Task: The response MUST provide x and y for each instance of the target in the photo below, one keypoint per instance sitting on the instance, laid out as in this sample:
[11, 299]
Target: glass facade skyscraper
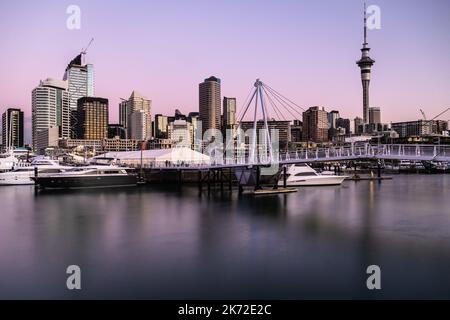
[93, 118]
[12, 128]
[80, 80]
[81, 83]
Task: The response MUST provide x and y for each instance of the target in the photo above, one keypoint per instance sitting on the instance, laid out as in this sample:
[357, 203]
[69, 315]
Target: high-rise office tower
[138, 125]
[332, 117]
[365, 64]
[161, 123]
[209, 103]
[332, 127]
[193, 118]
[343, 123]
[116, 130]
[229, 113]
[81, 83]
[374, 115]
[315, 125]
[12, 128]
[80, 79]
[93, 118]
[123, 114]
[50, 108]
[138, 116]
[358, 124]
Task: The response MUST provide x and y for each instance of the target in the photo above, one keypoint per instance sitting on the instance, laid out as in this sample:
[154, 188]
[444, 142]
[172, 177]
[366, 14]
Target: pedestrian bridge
[438, 153]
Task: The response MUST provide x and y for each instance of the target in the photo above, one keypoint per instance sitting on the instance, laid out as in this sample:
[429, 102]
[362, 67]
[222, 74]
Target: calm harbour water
[166, 243]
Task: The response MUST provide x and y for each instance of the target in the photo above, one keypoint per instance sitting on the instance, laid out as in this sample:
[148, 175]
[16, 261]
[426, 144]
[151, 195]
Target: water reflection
[167, 242]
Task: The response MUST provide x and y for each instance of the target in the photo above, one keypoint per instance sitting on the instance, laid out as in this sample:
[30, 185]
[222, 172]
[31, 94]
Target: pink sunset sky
[305, 49]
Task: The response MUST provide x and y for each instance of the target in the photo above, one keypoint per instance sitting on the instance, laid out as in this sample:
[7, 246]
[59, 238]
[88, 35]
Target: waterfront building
[116, 131]
[315, 125]
[93, 118]
[419, 128]
[139, 125]
[46, 138]
[340, 135]
[209, 103]
[193, 118]
[179, 115]
[376, 127]
[365, 64]
[161, 123]
[114, 144]
[160, 144]
[374, 115]
[358, 125]
[123, 115]
[283, 128]
[332, 117]
[229, 113]
[50, 108]
[12, 128]
[138, 116]
[440, 127]
[180, 132]
[342, 123]
[297, 131]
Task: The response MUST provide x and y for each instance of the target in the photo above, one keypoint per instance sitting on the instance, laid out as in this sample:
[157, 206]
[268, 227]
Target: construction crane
[84, 51]
[440, 114]
[423, 114]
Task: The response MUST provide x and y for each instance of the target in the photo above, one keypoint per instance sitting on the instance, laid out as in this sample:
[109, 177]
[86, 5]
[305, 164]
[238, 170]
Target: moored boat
[23, 172]
[304, 175]
[8, 161]
[88, 177]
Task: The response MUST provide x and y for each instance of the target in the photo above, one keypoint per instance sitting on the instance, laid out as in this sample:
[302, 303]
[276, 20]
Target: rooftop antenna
[365, 26]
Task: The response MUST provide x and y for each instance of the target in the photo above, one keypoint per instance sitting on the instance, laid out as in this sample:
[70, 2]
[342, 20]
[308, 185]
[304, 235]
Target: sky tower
[365, 64]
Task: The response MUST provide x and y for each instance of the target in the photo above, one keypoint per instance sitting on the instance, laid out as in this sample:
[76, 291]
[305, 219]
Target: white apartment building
[50, 108]
[138, 121]
[180, 133]
[136, 106]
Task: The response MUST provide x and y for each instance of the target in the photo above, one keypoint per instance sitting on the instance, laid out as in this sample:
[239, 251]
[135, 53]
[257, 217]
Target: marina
[183, 165]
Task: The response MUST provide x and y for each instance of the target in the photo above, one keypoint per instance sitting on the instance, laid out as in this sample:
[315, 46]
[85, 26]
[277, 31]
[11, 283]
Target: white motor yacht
[8, 161]
[22, 173]
[304, 175]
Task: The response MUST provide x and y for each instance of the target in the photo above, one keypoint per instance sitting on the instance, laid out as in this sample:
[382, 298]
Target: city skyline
[308, 53]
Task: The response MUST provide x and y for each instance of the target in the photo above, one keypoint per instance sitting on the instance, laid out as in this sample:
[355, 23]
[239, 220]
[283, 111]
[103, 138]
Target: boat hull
[315, 181]
[9, 179]
[86, 182]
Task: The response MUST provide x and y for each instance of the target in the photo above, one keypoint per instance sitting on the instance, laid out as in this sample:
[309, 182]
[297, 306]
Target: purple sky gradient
[305, 49]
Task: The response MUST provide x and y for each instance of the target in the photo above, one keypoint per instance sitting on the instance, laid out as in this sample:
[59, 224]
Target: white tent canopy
[175, 156]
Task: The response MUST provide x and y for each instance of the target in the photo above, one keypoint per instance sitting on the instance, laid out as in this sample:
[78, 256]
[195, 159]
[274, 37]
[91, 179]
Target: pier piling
[257, 184]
